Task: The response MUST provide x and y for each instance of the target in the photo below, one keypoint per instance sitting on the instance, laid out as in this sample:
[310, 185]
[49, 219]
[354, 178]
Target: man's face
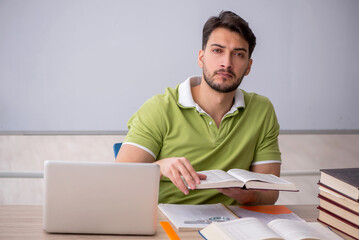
[225, 60]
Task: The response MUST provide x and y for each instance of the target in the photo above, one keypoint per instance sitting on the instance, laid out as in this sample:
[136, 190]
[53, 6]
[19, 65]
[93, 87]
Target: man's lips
[225, 74]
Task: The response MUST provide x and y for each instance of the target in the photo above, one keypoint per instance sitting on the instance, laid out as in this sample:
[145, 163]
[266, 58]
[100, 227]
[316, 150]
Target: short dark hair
[232, 22]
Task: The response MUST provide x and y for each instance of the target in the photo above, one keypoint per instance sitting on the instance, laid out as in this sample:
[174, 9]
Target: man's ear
[248, 70]
[200, 58]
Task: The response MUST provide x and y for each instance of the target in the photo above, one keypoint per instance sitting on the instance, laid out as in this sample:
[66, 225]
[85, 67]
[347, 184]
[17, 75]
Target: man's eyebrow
[241, 49]
[217, 45]
[221, 46]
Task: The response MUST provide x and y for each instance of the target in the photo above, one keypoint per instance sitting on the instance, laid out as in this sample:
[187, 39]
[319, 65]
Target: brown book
[338, 197]
[343, 180]
[338, 223]
[339, 209]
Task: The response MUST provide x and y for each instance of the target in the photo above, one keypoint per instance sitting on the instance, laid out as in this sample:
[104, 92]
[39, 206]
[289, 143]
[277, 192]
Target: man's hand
[250, 197]
[255, 197]
[174, 168]
[242, 196]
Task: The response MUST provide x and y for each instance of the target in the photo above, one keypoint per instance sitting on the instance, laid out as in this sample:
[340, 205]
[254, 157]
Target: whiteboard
[88, 65]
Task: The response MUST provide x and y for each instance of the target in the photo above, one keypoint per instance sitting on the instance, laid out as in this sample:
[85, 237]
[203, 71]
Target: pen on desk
[172, 235]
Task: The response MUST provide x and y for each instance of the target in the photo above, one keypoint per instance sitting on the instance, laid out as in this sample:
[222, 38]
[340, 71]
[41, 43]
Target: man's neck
[215, 103]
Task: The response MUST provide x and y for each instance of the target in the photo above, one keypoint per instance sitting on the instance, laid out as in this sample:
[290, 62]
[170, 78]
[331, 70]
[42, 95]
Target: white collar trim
[186, 100]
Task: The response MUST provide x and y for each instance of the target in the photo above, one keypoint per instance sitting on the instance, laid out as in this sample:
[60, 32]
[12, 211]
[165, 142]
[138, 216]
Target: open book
[244, 179]
[185, 217]
[252, 228]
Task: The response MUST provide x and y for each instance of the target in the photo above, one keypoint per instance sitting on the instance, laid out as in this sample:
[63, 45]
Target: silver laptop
[100, 198]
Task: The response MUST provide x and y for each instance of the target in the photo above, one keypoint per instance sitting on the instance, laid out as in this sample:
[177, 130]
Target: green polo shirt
[173, 125]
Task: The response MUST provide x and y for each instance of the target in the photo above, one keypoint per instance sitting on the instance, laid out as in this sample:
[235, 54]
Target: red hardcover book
[338, 223]
[338, 197]
[339, 210]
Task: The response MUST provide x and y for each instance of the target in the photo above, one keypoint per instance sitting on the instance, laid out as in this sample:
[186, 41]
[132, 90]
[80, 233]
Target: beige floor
[300, 153]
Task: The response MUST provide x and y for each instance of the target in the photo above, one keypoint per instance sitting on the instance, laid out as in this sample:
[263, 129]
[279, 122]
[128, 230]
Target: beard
[222, 87]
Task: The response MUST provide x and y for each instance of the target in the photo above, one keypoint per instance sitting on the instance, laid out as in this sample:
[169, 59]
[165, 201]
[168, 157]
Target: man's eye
[217, 50]
[239, 54]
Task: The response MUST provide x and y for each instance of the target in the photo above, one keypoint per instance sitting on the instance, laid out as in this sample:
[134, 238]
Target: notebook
[100, 198]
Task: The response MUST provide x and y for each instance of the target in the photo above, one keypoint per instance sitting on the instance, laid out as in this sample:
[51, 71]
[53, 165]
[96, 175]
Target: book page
[325, 231]
[247, 229]
[215, 176]
[213, 232]
[246, 176]
[179, 213]
[331, 192]
[293, 230]
[263, 217]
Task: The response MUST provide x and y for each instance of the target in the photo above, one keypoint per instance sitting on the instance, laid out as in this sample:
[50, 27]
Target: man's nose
[226, 61]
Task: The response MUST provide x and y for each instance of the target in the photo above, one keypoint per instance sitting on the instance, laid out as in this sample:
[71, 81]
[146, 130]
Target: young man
[207, 122]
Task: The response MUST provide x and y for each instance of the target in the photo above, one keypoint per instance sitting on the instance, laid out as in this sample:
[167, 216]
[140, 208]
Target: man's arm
[130, 153]
[255, 197]
[173, 168]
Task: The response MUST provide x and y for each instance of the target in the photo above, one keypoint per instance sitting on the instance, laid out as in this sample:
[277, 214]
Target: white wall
[87, 65]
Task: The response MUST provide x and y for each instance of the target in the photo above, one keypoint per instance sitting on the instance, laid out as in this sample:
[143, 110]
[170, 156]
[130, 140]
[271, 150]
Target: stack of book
[339, 200]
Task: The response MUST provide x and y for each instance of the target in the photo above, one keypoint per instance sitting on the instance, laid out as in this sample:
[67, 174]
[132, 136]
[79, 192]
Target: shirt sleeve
[267, 150]
[146, 127]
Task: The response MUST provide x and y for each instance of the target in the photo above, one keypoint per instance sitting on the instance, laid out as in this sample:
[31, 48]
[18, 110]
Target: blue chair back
[116, 148]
